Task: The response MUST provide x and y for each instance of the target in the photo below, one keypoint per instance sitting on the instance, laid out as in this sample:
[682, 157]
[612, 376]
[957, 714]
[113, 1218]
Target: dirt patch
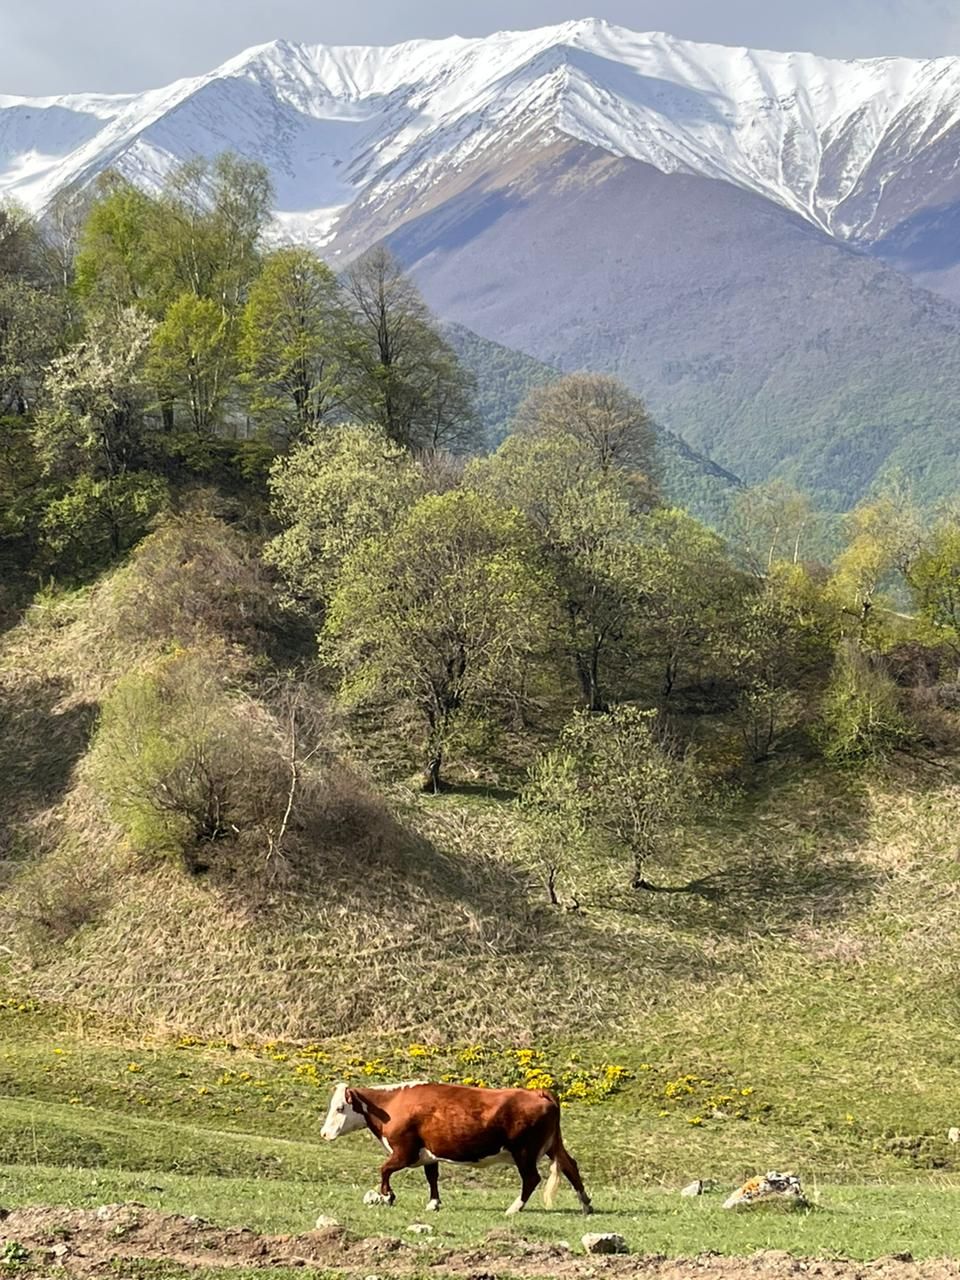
[84, 1242]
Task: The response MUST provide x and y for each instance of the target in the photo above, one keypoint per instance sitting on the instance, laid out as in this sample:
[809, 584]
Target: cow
[421, 1125]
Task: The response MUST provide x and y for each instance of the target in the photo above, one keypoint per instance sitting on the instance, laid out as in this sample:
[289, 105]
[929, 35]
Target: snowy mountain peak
[843, 144]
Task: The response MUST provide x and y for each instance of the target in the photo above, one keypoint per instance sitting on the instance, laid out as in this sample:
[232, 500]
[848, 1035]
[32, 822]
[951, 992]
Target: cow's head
[344, 1115]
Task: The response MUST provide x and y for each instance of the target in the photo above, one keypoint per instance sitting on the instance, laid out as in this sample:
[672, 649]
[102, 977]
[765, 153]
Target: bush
[185, 764]
[860, 716]
[95, 522]
[195, 578]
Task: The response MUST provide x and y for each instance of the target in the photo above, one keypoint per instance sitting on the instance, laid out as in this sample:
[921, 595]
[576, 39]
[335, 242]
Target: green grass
[849, 1221]
[79, 1128]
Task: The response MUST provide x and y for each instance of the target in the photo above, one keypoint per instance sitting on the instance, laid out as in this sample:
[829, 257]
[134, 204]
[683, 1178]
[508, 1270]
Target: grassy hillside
[796, 965]
[505, 377]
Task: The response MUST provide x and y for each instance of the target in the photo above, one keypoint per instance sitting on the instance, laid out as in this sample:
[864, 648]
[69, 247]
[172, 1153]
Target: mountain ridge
[853, 146]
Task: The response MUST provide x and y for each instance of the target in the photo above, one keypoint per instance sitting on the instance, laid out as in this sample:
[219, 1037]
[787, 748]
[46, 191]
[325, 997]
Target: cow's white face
[342, 1116]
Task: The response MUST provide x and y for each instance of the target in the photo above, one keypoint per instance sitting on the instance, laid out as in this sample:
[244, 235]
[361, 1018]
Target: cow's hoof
[374, 1197]
[433, 1206]
[588, 1208]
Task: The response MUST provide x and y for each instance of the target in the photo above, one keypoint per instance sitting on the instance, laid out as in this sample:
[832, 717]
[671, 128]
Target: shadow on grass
[786, 857]
[480, 791]
[41, 740]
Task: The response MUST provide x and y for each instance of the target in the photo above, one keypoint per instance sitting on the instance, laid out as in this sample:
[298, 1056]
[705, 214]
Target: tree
[94, 398]
[96, 519]
[589, 535]
[883, 534]
[191, 359]
[610, 421]
[337, 489]
[116, 260]
[554, 819]
[210, 217]
[621, 780]
[933, 575]
[291, 328]
[32, 323]
[399, 371]
[690, 590]
[770, 522]
[21, 248]
[445, 613]
[778, 648]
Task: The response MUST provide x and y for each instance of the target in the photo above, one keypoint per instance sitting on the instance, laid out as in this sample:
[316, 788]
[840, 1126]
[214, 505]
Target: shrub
[860, 716]
[185, 764]
[194, 578]
[617, 777]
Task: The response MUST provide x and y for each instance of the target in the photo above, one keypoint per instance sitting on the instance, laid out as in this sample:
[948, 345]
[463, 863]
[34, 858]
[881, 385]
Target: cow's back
[455, 1122]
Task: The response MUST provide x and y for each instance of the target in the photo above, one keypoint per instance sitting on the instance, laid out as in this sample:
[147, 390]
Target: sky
[114, 46]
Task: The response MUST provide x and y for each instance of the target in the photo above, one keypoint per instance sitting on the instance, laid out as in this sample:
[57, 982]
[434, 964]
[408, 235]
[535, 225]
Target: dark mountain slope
[757, 338]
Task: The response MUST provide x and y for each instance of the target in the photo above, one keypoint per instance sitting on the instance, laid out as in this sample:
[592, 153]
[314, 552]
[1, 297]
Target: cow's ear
[348, 1097]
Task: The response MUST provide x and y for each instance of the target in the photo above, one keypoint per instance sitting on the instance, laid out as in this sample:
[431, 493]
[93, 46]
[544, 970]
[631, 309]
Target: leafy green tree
[32, 324]
[883, 534]
[933, 575]
[398, 370]
[291, 333]
[95, 396]
[445, 614]
[615, 776]
[210, 218]
[191, 359]
[21, 246]
[588, 531]
[690, 592]
[337, 489]
[778, 647]
[116, 262]
[97, 519]
[610, 422]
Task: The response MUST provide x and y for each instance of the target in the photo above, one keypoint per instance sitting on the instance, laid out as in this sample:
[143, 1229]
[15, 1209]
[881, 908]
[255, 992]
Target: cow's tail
[554, 1151]
[552, 1183]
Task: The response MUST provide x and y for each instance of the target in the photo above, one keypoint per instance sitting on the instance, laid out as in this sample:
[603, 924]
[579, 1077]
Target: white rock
[374, 1197]
[768, 1188]
[603, 1242]
[953, 1135]
[420, 1228]
[694, 1188]
[324, 1222]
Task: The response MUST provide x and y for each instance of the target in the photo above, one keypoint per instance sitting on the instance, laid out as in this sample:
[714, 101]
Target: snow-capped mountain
[854, 147]
[740, 235]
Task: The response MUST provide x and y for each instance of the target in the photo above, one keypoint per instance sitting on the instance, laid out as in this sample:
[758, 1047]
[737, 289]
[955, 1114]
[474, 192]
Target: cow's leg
[569, 1169]
[432, 1172]
[526, 1163]
[401, 1157]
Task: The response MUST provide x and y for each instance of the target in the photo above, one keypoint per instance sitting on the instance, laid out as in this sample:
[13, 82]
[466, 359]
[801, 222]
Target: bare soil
[88, 1242]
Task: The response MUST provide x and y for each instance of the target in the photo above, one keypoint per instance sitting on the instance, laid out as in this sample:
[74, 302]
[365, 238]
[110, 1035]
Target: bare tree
[400, 372]
[600, 412]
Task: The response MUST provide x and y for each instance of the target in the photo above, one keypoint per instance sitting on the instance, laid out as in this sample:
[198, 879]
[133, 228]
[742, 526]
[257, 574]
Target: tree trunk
[589, 676]
[432, 782]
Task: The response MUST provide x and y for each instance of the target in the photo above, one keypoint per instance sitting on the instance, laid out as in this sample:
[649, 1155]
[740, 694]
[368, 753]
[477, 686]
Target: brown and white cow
[421, 1125]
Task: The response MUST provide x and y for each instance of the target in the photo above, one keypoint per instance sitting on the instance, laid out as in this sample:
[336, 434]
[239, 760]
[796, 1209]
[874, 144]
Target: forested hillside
[290, 666]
